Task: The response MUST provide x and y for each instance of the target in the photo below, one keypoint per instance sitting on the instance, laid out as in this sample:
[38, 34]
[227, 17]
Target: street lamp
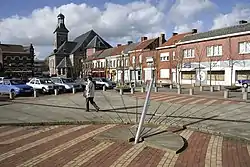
[150, 61]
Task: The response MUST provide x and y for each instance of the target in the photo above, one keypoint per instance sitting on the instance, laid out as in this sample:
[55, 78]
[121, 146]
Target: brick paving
[184, 99]
[74, 145]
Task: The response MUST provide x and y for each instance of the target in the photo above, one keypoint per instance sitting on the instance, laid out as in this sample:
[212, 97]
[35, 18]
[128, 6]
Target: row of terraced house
[216, 57]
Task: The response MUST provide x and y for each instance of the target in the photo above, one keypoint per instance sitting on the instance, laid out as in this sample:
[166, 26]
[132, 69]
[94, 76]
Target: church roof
[90, 39]
[65, 62]
[66, 47]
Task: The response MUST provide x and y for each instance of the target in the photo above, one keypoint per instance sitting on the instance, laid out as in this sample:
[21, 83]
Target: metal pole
[144, 112]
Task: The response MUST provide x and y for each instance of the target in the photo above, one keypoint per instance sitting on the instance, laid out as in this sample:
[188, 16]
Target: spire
[60, 24]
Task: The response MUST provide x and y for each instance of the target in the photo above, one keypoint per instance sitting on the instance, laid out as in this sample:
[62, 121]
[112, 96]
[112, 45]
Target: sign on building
[201, 76]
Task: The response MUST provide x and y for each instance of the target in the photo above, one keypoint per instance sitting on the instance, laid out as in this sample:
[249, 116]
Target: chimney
[119, 45]
[242, 22]
[162, 39]
[130, 42]
[143, 39]
[194, 31]
[175, 33]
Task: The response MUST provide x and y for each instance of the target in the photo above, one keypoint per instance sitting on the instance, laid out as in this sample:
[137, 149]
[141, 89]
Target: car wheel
[44, 90]
[245, 85]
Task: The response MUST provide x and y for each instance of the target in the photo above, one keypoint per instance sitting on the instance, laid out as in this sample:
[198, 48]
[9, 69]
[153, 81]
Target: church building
[67, 57]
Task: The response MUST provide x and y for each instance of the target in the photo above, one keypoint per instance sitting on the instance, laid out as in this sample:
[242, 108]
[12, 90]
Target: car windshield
[104, 80]
[46, 81]
[67, 80]
[17, 82]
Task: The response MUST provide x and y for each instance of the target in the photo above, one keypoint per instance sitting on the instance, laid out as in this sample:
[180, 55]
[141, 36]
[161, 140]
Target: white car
[68, 83]
[46, 85]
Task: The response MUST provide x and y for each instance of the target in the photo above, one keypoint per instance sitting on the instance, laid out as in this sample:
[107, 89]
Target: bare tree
[178, 63]
[233, 57]
[200, 54]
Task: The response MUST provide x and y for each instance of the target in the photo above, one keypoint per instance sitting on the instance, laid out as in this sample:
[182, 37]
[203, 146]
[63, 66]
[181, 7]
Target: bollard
[219, 87]
[193, 85]
[245, 95]
[142, 89]
[201, 88]
[104, 88]
[12, 95]
[171, 86]
[121, 91]
[191, 91]
[132, 90]
[248, 89]
[179, 90]
[74, 90]
[56, 92]
[35, 93]
[226, 94]
[211, 89]
[156, 89]
[243, 89]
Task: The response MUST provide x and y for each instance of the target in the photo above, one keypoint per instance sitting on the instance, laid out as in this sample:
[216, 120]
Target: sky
[117, 21]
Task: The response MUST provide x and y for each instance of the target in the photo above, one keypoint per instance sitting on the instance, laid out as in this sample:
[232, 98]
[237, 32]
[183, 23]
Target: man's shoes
[97, 109]
[87, 110]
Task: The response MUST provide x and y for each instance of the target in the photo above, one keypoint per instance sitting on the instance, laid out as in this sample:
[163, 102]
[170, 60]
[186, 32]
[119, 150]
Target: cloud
[239, 12]
[183, 11]
[115, 22]
[187, 27]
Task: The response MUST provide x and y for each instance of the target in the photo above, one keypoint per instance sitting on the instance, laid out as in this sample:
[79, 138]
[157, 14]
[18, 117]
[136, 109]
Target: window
[113, 63]
[216, 75]
[243, 75]
[164, 73]
[215, 50]
[118, 63]
[188, 75]
[140, 59]
[173, 55]
[244, 47]
[164, 56]
[126, 62]
[133, 59]
[188, 53]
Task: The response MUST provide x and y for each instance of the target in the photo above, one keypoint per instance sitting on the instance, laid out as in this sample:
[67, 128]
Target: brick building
[16, 60]
[216, 57]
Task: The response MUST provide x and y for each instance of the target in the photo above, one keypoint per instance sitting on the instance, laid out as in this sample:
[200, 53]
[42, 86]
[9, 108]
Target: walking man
[90, 93]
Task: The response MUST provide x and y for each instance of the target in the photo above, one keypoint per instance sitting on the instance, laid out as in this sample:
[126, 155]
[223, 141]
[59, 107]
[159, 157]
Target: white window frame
[173, 55]
[188, 53]
[140, 59]
[214, 50]
[165, 56]
[133, 59]
[244, 47]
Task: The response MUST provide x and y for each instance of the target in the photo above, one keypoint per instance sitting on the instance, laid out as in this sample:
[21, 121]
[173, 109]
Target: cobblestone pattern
[64, 146]
[76, 148]
[183, 99]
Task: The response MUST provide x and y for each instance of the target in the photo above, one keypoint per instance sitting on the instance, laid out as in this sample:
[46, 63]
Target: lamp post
[145, 107]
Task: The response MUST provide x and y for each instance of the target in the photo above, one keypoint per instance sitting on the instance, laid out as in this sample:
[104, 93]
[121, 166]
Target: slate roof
[218, 32]
[61, 28]
[65, 62]
[88, 37]
[66, 47]
[11, 48]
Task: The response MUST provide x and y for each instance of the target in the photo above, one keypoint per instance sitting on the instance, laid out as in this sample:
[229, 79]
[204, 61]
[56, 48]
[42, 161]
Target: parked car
[68, 83]
[16, 86]
[46, 85]
[2, 78]
[244, 83]
[83, 81]
[105, 82]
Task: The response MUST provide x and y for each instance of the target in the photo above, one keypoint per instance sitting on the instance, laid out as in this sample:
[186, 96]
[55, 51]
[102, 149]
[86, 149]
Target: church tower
[61, 32]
